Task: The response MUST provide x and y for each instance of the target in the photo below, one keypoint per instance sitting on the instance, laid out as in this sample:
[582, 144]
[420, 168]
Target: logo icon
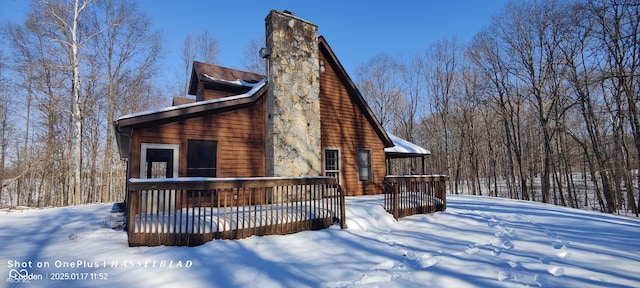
[22, 276]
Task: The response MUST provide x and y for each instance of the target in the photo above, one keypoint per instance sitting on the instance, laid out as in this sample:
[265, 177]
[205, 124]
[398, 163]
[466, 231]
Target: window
[201, 158]
[158, 160]
[364, 165]
[332, 163]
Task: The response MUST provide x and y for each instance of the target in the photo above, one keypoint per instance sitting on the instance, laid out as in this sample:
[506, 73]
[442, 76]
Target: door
[158, 161]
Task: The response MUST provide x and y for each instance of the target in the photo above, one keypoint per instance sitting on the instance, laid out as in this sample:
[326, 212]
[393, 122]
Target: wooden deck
[192, 211]
[415, 194]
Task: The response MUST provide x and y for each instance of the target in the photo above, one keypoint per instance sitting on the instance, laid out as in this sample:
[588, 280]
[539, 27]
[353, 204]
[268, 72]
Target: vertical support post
[343, 212]
[443, 191]
[396, 202]
[130, 219]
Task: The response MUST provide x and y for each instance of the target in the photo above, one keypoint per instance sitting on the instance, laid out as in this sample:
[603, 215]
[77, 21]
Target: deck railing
[192, 211]
[415, 194]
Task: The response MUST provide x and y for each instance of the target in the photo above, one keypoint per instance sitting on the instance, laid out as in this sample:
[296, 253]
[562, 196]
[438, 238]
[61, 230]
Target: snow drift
[477, 242]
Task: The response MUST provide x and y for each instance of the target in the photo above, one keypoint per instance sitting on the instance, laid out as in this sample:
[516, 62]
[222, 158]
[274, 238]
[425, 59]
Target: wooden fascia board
[193, 82]
[364, 107]
[189, 111]
[396, 155]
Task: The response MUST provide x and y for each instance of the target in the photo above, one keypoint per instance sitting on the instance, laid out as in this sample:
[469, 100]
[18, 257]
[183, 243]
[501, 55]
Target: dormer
[209, 82]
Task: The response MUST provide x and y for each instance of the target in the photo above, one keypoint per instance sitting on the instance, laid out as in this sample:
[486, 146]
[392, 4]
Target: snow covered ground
[477, 242]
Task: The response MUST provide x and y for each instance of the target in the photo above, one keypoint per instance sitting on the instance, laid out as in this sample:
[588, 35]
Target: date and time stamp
[24, 276]
[80, 270]
[38, 271]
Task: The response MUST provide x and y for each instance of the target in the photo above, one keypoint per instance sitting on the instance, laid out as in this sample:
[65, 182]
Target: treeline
[67, 72]
[542, 105]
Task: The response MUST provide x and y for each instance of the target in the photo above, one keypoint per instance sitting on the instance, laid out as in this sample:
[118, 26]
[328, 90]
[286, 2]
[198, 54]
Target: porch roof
[403, 148]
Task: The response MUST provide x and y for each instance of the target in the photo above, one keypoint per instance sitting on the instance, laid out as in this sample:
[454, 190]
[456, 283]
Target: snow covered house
[304, 119]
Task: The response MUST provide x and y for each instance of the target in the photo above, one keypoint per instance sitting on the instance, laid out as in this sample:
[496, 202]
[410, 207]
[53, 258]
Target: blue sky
[356, 30]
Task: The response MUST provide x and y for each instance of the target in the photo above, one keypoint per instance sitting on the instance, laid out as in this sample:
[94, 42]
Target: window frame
[368, 165]
[143, 157]
[324, 162]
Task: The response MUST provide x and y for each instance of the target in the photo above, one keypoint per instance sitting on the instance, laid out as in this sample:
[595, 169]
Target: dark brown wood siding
[344, 126]
[239, 133]
[209, 94]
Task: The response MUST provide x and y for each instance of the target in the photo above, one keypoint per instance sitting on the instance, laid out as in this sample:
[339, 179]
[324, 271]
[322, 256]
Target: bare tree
[36, 58]
[112, 38]
[532, 37]
[488, 53]
[617, 32]
[252, 61]
[442, 61]
[550, 91]
[379, 82]
[207, 47]
[5, 125]
[16, 36]
[414, 92]
[127, 44]
[188, 56]
[468, 106]
[62, 24]
[202, 47]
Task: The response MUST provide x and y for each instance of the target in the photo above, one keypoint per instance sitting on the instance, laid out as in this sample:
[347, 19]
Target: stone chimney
[292, 102]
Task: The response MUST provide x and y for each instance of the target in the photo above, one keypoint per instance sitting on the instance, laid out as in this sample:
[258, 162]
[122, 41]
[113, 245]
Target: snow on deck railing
[406, 195]
[191, 211]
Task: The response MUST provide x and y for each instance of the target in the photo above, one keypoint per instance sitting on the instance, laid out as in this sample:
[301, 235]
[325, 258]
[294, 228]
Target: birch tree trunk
[78, 116]
[65, 20]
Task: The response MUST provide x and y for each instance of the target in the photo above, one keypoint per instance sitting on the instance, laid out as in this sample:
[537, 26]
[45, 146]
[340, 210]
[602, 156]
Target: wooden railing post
[131, 204]
[343, 209]
[443, 191]
[396, 201]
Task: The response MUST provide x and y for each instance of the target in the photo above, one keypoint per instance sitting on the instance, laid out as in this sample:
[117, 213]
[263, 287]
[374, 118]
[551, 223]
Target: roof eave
[123, 140]
[394, 155]
[190, 110]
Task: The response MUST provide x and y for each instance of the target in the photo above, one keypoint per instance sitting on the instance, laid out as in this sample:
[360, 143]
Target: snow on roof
[256, 86]
[237, 82]
[402, 146]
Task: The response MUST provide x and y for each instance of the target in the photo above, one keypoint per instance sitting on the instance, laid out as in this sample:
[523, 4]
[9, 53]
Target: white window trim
[324, 168]
[370, 166]
[143, 156]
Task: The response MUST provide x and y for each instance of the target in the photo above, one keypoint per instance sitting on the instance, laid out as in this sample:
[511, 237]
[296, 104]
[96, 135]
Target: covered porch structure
[409, 189]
